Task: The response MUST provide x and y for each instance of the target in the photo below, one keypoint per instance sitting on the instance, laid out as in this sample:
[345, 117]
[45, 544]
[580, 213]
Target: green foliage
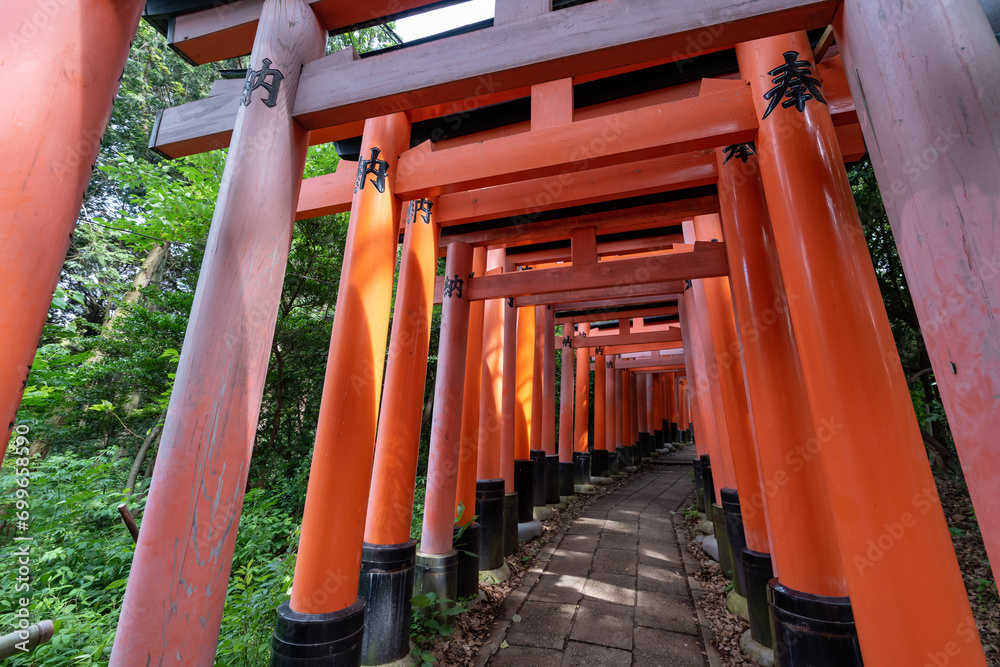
[72, 505]
[431, 620]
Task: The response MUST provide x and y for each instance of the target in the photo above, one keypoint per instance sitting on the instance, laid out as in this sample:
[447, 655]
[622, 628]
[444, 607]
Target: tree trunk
[150, 273]
[154, 433]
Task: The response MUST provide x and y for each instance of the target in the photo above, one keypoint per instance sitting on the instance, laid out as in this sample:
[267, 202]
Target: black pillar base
[645, 445]
[737, 538]
[386, 586]
[722, 537]
[614, 463]
[566, 471]
[538, 456]
[524, 485]
[625, 457]
[552, 479]
[812, 630]
[581, 473]
[467, 546]
[758, 570]
[658, 440]
[438, 574]
[489, 509]
[334, 639]
[599, 463]
[510, 509]
[708, 483]
[699, 487]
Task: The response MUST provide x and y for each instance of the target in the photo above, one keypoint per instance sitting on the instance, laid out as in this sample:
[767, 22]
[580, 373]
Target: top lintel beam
[574, 41]
[228, 30]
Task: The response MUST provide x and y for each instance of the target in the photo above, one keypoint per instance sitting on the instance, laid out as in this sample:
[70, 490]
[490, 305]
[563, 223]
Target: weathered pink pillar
[61, 67]
[566, 389]
[177, 585]
[548, 332]
[446, 427]
[926, 84]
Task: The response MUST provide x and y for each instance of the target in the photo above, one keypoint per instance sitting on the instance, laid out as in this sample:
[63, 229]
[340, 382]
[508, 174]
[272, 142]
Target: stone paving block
[666, 649]
[666, 612]
[614, 561]
[589, 655]
[576, 563]
[524, 656]
[662, 580]
[659, 554]
[542, 624]
[560, 588]
[594, 514]
[586, 526]
[584, 543]
[619, 540]
[629, 527]
[614, 588]
[604, 624]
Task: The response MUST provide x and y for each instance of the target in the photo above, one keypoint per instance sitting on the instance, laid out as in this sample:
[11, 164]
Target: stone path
[611, 590]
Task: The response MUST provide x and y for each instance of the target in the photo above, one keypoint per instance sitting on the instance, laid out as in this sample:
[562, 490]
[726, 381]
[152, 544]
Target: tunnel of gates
[666, 182]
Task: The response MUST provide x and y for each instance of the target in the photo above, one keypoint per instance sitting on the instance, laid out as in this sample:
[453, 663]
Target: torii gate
[591, 174]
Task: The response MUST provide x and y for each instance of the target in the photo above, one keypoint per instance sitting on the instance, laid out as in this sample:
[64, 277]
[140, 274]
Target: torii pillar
[927, 88]
[599, 457]
[490, 483]
[387, 558]
[56, 58]
[325, 612]
[890, 526]
[467, 542]
[581, 451]
[566, 389]
[437, 559]
[177, 585]
[803, 537]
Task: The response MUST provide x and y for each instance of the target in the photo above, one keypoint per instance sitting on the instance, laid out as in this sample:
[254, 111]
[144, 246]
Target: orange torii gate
[688, 191]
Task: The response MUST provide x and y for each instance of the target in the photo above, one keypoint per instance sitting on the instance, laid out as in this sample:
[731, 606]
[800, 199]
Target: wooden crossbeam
[684, 126]
[227, 31]
[656, 337]
[706, 261]
[626, 247]
[623, 295]
[591, 37]
[635, 218]
[644, 347]
[527, 199]
[340, 89]
[602, 315]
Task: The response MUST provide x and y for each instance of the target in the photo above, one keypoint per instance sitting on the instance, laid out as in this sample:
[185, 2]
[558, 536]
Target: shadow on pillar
[599, 463]
[467, 545]
[581, 471]
[511, 508]
[708, 483]
[758, 571]
[737, 543]
[538, 477]
[552, 486]
[490, 513]
[566, 475]
[699, 487]
[524, 486]
[386, 586]
[333, 639]
[722, 537]
[812, 630]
